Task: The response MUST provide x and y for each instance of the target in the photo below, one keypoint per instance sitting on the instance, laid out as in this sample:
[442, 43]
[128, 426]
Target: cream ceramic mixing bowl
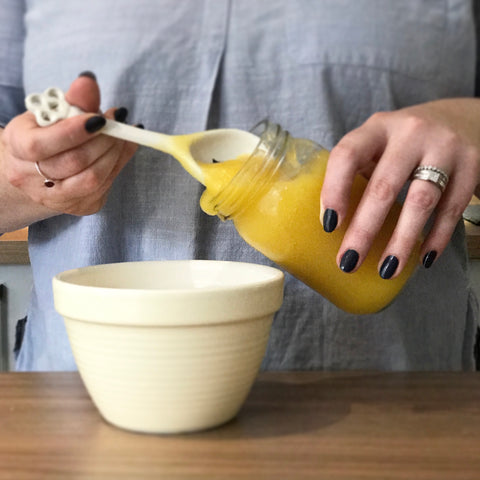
[170, 346]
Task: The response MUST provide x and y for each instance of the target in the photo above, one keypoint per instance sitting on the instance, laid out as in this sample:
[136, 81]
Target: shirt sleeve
[12, 34]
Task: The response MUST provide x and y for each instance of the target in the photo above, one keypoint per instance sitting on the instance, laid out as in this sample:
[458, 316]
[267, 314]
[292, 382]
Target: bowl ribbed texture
[168, 347]
[201, 375]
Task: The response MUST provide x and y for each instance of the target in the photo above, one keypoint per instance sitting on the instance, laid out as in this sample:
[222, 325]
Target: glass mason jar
[274, 203]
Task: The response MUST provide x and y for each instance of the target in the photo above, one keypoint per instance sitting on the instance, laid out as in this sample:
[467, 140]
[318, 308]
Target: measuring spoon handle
[50, 106]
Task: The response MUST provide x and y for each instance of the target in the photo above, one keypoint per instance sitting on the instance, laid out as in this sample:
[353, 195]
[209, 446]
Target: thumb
[84, 93]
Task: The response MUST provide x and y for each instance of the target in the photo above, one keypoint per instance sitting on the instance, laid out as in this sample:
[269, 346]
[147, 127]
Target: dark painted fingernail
[330, 220]
[388, 267]
[120, 114]
[89, 74]
[429, 258]
[140, 125]
[93, 124]
[349, 261]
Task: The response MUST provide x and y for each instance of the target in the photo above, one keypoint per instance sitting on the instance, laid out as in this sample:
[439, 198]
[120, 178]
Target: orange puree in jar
[275, 207]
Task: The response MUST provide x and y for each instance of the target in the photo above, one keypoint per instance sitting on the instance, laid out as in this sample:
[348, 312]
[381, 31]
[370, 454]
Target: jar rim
[271, 148]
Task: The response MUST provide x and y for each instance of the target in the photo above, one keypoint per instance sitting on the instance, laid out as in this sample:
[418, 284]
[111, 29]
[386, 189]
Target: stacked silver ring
[431, 174]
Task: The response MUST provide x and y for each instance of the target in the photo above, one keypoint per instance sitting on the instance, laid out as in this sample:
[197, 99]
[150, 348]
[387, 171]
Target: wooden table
[293, 426]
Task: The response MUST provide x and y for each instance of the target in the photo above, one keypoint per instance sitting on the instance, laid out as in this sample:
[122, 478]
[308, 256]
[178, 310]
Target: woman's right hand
[81, 162]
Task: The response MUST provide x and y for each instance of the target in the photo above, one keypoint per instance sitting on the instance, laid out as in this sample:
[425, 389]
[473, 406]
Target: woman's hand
[81, 162]
[386, 149]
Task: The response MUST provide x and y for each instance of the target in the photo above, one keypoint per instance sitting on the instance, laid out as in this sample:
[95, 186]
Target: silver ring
[431, 174]
[46, 181]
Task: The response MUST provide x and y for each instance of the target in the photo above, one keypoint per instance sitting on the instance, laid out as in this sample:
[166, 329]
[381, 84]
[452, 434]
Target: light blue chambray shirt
[318, 68]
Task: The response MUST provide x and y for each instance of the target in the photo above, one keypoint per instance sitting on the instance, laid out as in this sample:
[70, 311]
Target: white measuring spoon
[220, 144]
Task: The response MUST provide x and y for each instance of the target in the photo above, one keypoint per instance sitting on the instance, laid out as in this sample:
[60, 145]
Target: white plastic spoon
[219, 144]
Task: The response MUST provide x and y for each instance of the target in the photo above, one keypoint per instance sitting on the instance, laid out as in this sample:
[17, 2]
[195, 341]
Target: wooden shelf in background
[14, 248]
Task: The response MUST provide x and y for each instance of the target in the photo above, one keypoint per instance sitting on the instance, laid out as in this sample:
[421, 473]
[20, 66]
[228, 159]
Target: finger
[63, 164]
[72, 162]
[95, 177]
[88, 204]
[84, 93]
[392, 172]
[100, 175]
[33, 143]
[352, 155]
[69, 194]
[450, 208]
[81, 194]
[420, 202]
[127, 153]
[127, 149]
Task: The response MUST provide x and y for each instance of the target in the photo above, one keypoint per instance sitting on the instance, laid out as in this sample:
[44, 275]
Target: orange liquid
[284, 224]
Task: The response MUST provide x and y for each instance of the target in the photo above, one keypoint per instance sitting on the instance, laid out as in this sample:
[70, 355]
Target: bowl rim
[94, 303]
[274, 272]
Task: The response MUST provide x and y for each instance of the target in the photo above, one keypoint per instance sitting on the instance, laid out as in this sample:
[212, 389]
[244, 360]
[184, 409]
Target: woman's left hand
[386, 149]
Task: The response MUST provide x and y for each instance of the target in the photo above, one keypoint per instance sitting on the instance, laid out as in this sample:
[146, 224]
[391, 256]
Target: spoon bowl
[222, 144]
